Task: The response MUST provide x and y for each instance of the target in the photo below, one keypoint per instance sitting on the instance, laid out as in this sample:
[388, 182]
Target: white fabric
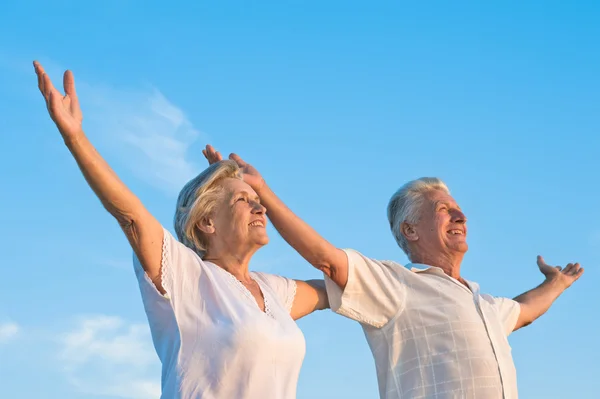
[213, 340]
[431, 336]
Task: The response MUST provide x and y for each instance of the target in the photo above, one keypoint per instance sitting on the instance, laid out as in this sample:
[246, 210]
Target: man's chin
[463, 247]
[460, 247]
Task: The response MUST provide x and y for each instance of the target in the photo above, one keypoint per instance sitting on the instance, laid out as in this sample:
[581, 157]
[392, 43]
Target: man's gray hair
[197, 200]
[405, 204]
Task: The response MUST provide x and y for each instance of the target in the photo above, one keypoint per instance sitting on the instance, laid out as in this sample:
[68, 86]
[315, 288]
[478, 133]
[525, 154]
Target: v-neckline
[234, 281]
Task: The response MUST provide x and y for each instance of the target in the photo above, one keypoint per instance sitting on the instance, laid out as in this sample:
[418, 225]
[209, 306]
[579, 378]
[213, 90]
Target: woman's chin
[261, 240]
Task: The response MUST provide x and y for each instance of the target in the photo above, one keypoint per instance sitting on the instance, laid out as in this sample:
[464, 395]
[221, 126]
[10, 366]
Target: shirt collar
[422, 268]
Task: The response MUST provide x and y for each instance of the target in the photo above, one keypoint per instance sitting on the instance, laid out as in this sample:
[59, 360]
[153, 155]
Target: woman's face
[239, 220]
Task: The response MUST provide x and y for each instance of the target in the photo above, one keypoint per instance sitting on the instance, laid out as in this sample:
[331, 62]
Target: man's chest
[445, 310]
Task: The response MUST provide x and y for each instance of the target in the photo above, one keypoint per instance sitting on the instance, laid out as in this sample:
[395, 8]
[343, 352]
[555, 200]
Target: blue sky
[337, 103]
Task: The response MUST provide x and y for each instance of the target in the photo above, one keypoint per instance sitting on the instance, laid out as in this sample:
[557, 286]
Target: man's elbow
[332, 262]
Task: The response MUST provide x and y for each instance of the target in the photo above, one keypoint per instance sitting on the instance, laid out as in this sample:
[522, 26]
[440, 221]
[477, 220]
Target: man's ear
[206, 225]
[409, 232]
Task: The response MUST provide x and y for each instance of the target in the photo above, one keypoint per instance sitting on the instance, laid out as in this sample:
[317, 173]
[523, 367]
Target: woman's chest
[232, 316]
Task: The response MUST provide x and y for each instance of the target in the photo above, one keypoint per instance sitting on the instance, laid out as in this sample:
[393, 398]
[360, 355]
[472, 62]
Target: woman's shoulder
[274, 281]
[269, 278]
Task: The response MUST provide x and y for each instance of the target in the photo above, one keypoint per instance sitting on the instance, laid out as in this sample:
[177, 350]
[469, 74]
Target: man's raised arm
[537, 301]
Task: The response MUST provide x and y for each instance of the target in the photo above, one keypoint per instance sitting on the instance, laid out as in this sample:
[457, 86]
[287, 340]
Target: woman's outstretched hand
[249, 172]
[64, 110]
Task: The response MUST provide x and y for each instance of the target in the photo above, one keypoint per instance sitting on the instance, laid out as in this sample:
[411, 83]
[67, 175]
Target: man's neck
[450, 264]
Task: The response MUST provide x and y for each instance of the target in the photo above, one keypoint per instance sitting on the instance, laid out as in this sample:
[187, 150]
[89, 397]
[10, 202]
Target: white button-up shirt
[431, 336]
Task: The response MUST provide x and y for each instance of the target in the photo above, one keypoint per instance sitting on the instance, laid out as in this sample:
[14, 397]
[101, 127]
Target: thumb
[69, 84]
[540, 262]
[543, 265]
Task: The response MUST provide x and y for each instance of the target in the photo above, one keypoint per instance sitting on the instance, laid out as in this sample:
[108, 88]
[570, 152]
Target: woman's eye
[241, 199]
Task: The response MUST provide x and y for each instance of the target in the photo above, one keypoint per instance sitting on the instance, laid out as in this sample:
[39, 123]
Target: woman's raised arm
[144, 232]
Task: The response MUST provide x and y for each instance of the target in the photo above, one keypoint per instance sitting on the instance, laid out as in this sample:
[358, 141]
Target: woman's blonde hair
[198, 199]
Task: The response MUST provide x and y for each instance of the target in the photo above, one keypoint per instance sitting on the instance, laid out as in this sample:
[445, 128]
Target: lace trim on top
[247, 292]
[166, 276]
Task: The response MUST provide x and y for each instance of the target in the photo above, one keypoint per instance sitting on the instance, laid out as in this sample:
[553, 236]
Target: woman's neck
[235, 264]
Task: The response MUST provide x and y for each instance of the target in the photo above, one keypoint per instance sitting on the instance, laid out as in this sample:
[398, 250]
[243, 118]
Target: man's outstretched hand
[249, 172]
[566, 276]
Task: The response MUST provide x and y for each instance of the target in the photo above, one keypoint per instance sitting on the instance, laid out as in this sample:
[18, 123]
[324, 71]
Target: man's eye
[241, 199]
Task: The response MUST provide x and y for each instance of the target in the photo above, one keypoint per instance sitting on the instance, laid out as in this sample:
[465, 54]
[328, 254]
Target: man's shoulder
[391, 264]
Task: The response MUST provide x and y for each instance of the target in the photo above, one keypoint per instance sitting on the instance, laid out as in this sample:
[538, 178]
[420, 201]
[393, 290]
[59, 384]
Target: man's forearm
[537, 301]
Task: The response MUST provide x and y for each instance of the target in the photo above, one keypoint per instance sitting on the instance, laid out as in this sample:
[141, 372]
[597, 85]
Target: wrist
[70, 138]
[556, 282]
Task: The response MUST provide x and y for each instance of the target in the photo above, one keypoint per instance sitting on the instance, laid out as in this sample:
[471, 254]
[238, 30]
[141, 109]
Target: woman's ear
[206, 225]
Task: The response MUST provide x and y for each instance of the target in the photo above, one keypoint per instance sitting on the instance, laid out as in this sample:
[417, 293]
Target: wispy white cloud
[8, 331]
[144, 130]
[105, 355]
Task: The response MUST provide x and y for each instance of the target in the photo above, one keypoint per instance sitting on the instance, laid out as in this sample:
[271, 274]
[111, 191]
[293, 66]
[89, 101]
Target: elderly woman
[219, 330]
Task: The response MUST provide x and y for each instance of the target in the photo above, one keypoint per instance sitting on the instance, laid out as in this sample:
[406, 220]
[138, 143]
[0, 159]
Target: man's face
[442, 227]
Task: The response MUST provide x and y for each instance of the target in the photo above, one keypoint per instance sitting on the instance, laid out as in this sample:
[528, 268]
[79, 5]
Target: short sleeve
[284, 288]
[507, 310]
[180, 271]
[374, 294]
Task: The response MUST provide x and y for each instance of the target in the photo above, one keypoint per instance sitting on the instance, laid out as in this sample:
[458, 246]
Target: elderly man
[432, 333]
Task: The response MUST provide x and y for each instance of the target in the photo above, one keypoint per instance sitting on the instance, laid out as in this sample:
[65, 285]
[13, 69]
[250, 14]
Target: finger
[558, 268]
[53, 99]
[48, 86]
[237, 159]
[578, 274]
[214, 155]
[39, 72]
[576, 268]
[39, 69]
[204, 153]
[210, 150]
[568, 269]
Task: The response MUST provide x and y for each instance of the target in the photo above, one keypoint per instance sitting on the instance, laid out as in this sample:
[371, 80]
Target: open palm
[249, 172]
[566, 276]
[64, 110]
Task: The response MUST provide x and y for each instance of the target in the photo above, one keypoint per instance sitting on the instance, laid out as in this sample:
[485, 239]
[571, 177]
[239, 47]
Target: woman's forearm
[304, 239]
[116, 197]
[143, 231]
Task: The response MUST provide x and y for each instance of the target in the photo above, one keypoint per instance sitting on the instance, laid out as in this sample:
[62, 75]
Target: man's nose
[458, 216]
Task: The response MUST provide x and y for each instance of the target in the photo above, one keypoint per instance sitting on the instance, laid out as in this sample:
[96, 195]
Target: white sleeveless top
[212, 339]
